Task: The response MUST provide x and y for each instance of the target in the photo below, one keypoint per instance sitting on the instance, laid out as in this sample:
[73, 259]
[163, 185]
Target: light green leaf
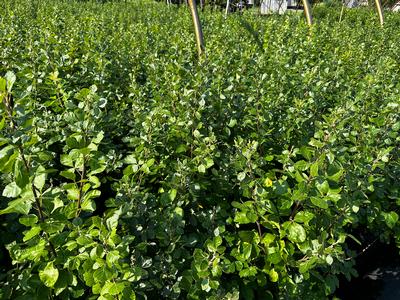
[323, 187]
[209, 162]
[247, 247]
[320, 202]
[40, 178]
[304, 217]
[21, 206]
[172, 194]
[49, 275]
[273, 275]
[12, 190]
[112, 258]
[34, 231]
[329, 259]
[205, 285]
[314, 169]
[21, 175]
[241, 176]
[102, 275]
[181, 148]
[112, 222]
[28, 220]
[201, 169]
[10, 78]
[88, 205]
[69, 174]
[67, 160]
[391, 218]
[296, 233]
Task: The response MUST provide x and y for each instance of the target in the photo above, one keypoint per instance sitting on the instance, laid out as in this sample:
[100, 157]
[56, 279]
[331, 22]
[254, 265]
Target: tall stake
[380, 11]
[227, 8]
[307, 11]
[197, 27]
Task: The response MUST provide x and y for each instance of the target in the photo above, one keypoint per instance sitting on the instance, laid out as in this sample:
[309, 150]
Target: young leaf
[296, 233]
[49, 275]
[12, 190]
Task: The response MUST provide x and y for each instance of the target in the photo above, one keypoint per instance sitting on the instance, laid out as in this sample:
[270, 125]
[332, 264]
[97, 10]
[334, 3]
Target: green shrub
[128, 169]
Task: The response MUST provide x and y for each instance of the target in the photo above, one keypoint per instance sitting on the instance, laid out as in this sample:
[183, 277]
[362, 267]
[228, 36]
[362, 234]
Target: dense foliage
[129, 169]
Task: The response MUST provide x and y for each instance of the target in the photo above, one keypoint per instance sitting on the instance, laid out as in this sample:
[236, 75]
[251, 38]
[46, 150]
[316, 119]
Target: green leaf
[69, 174]
[296, 233]
[304, 217]
[52, 226]
[12, 190]
[66, 160]
[181, 148]
[205, 285]
[329, 259]
[10, 78]
[320, 202]
[84, 240]
[49, 275]
[323, 187]
[34, 231]
[335, 177]
[391, 218]
[112, 222]
[21, 206]
[102, 274]
[273, 275]
[209, 162]
[112, 288]
[88, 205]
[245, 217]
[40, 178]
[3, 85]
[247, 247]
[112, 258]
[201, 169]
[28, 220]
[314, 169]
[21, 175]
[172, 194]
[33, 253]
[248, 272]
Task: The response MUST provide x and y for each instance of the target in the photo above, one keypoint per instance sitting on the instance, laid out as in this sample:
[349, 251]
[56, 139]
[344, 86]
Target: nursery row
[131, 170]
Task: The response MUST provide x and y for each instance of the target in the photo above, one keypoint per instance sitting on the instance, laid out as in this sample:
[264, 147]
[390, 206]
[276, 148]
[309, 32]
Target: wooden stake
[227, 8]
[380, 11]
[307, 11]
[197, 27]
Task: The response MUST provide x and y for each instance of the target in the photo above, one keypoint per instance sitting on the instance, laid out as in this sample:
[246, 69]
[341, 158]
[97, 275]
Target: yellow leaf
[267, 182]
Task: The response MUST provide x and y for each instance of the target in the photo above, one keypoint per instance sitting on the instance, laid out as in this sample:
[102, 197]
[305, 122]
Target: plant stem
[83, 175]
[8, 101]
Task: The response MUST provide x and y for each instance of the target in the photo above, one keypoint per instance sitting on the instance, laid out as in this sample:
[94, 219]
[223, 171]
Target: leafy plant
[129, 170]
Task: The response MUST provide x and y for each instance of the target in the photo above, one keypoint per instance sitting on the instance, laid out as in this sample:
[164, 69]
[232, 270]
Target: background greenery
[129, 169]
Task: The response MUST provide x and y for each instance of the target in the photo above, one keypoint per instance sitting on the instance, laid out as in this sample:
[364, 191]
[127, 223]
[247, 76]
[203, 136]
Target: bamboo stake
[307, 11]
[341, 13]
[227, 8]
[380, 11]
[197, 27]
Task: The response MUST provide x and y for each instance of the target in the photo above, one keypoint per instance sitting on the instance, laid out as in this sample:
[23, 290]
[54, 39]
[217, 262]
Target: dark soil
[379, 275]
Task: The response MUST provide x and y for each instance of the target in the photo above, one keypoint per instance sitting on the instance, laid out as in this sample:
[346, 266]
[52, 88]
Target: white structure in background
[292, 3]
[273, 6]
[355, 3]
[351, 3]
[396, 7]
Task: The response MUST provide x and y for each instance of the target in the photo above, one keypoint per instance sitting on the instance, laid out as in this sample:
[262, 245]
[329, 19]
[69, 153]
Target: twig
[9, 103]
[362, 251]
